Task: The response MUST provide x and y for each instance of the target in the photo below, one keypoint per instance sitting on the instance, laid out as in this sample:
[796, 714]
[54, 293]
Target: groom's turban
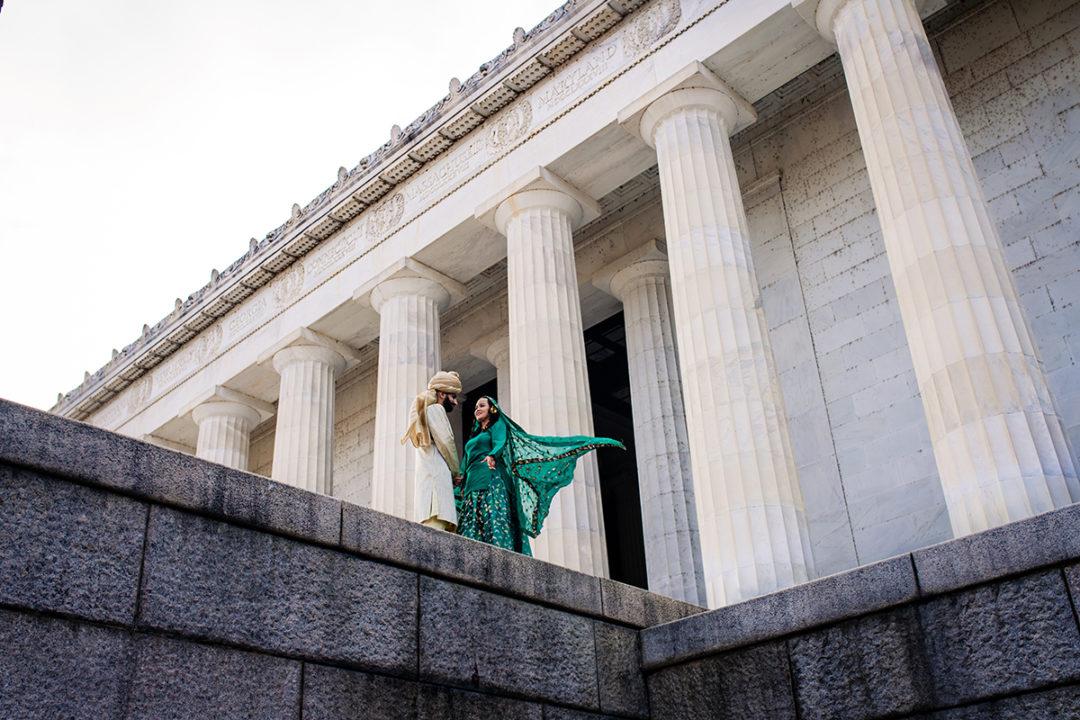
[418, 432]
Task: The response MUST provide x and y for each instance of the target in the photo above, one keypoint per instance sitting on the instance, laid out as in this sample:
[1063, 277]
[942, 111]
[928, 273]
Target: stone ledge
[410, 545]
[1047, 539]
[836, 597]
[93, 457]
[1024, 546]
[67, 448]
[639, 608]
[434, 552]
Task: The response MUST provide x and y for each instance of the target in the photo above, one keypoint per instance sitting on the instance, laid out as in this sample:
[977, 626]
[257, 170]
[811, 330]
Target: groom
[436, 454]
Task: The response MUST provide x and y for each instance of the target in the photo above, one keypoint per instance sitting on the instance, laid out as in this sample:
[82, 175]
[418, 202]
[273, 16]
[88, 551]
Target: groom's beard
[447, 405]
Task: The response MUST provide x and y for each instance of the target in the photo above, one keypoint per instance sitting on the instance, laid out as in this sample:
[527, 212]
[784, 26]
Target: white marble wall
[879, 432]
[827, 509]
[354, 436]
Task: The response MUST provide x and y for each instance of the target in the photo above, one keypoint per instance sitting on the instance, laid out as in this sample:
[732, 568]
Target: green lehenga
[507, 505]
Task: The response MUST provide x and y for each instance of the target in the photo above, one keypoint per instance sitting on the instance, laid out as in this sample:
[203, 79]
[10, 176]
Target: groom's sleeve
[443, 436]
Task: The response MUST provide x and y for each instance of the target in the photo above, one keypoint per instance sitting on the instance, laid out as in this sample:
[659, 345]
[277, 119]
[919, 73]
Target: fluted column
[750, 510]
[668, 513]
[225, 432]
[550, 390]
[1000, 445]
[304, 437]
[409, 354]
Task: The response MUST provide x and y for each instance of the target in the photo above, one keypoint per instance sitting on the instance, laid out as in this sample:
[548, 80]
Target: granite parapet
[872, 666]
[750, 683]
[54, 668]
[438, 553]
[219, 582]
[1040, 541]
[174, 678]
[618, 671]
[480, 640]
[1002, 638]
[69, 549]
[830, 599]
[92, 456]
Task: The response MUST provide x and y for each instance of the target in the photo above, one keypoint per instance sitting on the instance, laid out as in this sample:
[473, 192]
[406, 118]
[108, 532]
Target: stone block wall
[142, 583]
[980, 627]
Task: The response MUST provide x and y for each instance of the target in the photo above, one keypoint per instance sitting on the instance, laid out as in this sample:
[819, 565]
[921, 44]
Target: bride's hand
[490, 462]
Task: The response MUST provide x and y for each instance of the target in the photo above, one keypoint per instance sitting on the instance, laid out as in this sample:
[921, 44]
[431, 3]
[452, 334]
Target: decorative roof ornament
[455, 87]
[395, 134]
[296, 211]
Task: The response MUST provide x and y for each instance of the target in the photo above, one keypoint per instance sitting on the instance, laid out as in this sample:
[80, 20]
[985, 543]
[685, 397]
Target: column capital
[537, 188]
[820, 14]
[646, 260]
[220, 408]
[306, 343]
[410, 277]
[221, 395]
[493, 347]
[693, 86]
[314, 353]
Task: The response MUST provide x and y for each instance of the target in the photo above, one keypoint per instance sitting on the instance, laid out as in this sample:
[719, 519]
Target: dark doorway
[469, 406]
[609, 387]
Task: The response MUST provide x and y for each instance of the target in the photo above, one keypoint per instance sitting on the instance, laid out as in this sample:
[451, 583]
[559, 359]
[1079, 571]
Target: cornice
[532, 56]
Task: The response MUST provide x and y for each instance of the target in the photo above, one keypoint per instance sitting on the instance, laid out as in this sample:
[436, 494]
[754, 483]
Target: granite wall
[980, 627]
[136, 582]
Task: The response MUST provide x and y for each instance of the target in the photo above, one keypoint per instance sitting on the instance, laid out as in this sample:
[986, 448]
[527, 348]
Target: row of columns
[723, 514]
[1000, 445]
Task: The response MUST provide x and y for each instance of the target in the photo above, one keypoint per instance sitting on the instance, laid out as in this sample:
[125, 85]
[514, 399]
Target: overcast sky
[143, 142]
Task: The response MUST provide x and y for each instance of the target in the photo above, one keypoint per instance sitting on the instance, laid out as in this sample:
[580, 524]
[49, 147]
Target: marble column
[409, 302]
[668, 513]
[550, 390]
[751, 516]
[304, 436]
[1000, 445]
[225, 432]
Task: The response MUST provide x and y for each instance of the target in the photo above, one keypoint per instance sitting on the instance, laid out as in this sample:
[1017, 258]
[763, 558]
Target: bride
[510, 477]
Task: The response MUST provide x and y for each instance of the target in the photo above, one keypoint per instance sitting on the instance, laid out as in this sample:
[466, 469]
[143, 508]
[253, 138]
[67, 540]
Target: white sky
[143, 142]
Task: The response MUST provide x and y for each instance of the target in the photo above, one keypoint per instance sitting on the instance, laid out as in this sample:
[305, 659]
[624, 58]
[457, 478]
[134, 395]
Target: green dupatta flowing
[541, 466]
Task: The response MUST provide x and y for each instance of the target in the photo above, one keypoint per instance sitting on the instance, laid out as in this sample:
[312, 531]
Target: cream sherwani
[436, 465]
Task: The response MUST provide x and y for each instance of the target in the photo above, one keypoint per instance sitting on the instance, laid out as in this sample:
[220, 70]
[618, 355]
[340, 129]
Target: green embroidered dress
[507, 505]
